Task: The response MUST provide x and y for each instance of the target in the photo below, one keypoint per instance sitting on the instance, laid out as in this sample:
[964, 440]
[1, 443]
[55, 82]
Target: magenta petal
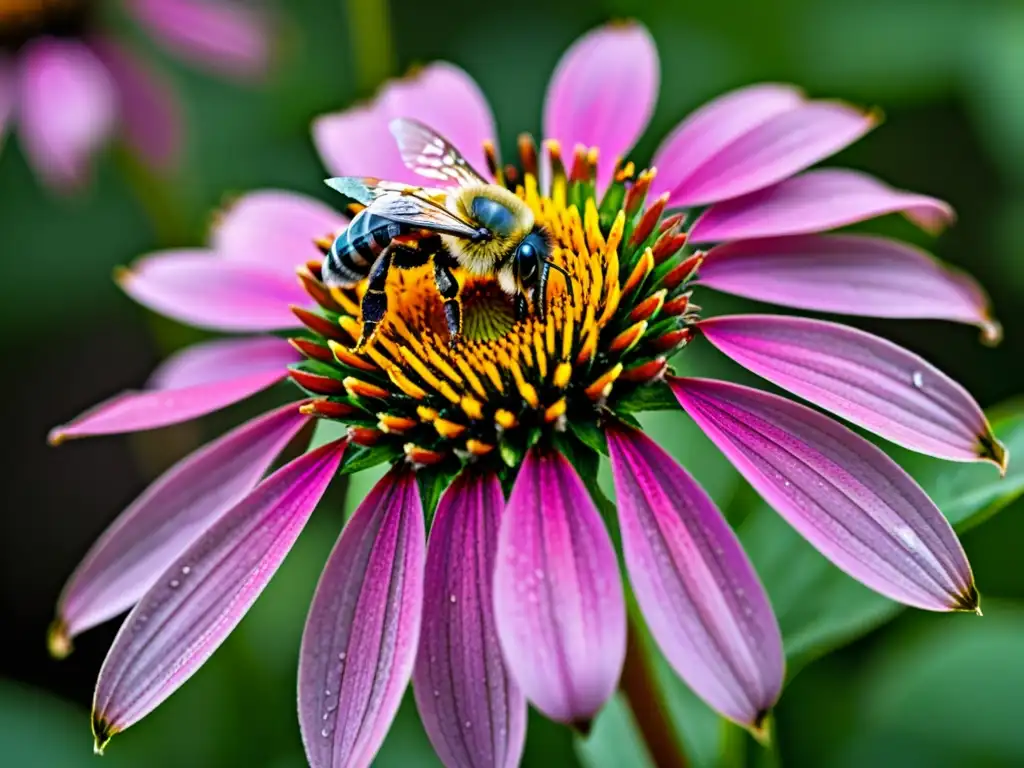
[714, 126]
[222, 359]
[228, 37]
[840, 492]
[181, 504]
[558, 598]
[696, 587]
[203, 595]
[357, 142]
[275, 228]
[603, 92]
[360, 640]
[870, 381]
[472, 710]
[67, 108]
[147, 106]
[847, 274]
[195, 287]
[771, 151]
[814, 202]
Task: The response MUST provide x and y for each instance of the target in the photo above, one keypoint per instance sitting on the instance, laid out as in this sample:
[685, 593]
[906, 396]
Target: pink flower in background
[70, 85]
[519, 599]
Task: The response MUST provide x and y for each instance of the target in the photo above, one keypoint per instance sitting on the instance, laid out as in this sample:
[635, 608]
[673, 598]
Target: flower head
[494, 443]
[70, 84]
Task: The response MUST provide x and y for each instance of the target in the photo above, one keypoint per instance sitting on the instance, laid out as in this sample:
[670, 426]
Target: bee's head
[529, 256]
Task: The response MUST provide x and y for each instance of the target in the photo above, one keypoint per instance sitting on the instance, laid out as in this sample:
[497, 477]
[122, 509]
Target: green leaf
[614, 740]
[360, 457]
[590, 435]
[651, 397]
[433, 481]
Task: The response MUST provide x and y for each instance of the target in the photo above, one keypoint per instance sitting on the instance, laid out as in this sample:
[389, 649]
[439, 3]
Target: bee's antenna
[568, 280]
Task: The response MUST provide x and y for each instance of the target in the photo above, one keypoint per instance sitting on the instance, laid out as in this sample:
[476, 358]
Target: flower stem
[373, 50]
[641, 690]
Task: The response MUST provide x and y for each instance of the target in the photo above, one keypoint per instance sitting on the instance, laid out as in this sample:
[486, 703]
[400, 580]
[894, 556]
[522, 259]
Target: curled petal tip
[58, 641]
[56, 436]
[991, 332]
[102, 732]
[583, 727]
[991, 449]
[969, 601]
[761, 728]
[122, 275]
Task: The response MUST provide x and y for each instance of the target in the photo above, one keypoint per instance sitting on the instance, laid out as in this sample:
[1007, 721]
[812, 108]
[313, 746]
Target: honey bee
[475, 224]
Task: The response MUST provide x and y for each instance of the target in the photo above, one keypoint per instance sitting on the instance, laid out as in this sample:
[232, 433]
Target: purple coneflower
[70, 84]
[517, 596]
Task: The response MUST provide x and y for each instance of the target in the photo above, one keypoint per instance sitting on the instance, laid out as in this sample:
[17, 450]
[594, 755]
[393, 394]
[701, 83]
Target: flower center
[21, 20]
[614, 311]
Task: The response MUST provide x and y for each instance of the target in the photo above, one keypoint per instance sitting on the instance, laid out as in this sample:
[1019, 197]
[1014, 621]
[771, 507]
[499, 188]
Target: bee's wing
[366, 189]
[431, 155]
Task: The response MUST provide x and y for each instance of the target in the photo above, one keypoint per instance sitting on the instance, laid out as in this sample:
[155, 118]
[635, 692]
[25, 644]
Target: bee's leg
[375, 301]
[522, 308]
[449, 288]
[540, 291]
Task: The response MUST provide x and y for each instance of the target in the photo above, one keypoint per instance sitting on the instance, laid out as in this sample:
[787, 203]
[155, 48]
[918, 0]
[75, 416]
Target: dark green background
[925, 690]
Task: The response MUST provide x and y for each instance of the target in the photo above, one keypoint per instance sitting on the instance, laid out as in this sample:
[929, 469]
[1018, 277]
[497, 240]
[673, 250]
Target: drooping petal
[195, 287]
[848, 274]
[67, 107]
[147, 106]
[559, 604]
[8, 95]
[603, 92]
[870, 381]
[360, 640]
[275, 228]
[357, 141]
[196, 603]
[696, 587]
[705, 132]
[221, 359]
[228, 37]
[775, 149]
[845, 496]
[169, 515]
[814, 202]
[472, 710]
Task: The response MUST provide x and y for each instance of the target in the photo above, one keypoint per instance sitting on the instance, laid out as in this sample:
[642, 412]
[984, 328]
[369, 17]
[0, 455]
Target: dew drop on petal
[185, 570]
[917, 378]
[175, 584]
[908, 537]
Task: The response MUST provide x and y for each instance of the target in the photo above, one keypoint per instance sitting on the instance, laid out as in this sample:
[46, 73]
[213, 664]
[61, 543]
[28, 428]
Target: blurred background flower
[903, 688]
[70, 83]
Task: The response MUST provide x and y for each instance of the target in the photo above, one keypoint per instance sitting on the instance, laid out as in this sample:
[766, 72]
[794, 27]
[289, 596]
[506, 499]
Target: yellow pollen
[555, 411]
[505, 419]
[602, 386]
[478, 448]
[361, 388]
[425, 413]
[449, 429]
[394, 424]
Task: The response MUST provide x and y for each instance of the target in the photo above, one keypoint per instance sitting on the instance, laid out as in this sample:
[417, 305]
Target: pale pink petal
[814, 202]
[229, 37]
[870, 381]
[206, 591]
[850, 275]
[714, 126]
[170, 514]
[8, 95]
[472, 710]
[147, 106]
[603, 92]
[844, 495]
[275, 228]
[221, 359]
[769, 152]
[362, 632]
[699, 593]
[558, 598]
[194, 287]
[357, 141]
[67, 107]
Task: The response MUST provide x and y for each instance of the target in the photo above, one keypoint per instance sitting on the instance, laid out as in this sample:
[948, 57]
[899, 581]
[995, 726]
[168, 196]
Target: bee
[475, 224]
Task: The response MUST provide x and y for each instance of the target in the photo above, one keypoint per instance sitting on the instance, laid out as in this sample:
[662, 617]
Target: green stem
[163, 208]
[373, 49]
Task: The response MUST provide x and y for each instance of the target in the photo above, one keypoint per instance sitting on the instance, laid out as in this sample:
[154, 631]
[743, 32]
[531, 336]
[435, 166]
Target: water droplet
[326, 716]
[787, 483]
[468, 724]
[325, 732]
[907, 536]
[185, 570]
[175, 583]
[918, 379]
[437, 694]
[451, 598]
[341, 656]
[327, 692]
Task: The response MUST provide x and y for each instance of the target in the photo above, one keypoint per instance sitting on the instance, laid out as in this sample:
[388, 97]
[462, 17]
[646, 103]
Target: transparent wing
[431, 155]
[366, 189]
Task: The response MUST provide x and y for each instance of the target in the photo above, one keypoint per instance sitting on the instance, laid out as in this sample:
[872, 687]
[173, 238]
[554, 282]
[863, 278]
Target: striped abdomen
[355, 249]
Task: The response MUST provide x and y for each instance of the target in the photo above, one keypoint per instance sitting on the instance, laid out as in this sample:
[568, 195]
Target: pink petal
[275, 228]
[710, 129]
[228, 37]
[360, 639]
[840, 492]
[848, 274]
[472, 710]
[814, 202]
[771, 151]
[603, 92]
[180, 505]
[696, 587]
[221, 359]
[558, 599]
[147, 106]
[199, 599]
[195, 287]
[68, 105]
[867, 380]
[193, 385]
[357, 142]
[8, 95]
